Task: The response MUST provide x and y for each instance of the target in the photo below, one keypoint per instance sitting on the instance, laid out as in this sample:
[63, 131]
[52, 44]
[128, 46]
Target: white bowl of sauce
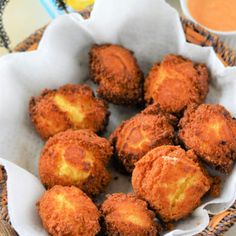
[217, 16]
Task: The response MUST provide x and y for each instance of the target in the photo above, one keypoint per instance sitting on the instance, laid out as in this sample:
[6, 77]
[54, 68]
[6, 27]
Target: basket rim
[225, 53]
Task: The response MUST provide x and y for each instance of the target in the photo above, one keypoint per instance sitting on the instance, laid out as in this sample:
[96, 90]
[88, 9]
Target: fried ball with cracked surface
[116, 71]
[68, 211]
[171, 181]
[69, 107]
[210, 131]
[138, 135]
[127, 215]
[175, 83]
[76, 157]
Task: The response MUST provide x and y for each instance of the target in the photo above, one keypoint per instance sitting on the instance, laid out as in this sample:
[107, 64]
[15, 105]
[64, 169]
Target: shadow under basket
[194, 33]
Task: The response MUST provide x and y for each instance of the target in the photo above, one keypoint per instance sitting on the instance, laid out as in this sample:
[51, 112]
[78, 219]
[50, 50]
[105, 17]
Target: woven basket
[194, 34]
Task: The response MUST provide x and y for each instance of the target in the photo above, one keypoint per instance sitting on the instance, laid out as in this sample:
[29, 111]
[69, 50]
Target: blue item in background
[52, 9]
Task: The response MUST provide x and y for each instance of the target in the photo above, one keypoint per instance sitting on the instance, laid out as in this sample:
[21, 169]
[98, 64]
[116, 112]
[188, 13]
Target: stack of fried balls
[166, 147]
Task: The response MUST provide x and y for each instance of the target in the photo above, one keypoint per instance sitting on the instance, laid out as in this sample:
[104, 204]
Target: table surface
[21, 18]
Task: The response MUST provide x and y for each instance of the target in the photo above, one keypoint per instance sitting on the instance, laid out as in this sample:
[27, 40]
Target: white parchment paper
[151, 28]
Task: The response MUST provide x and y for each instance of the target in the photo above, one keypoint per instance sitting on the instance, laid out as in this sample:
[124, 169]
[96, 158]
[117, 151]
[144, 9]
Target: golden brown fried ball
[69, 107]
[76, 157]
[171, 181]
[68, 211]
[175, 83]
[145, 131]
[210, 131]
[127, 215]
[116, 71]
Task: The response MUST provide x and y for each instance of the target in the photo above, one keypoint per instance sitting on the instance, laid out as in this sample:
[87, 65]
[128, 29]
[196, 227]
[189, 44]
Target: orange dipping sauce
[218, 15]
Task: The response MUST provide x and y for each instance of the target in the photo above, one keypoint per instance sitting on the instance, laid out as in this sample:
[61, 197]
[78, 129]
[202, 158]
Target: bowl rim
[187, 14]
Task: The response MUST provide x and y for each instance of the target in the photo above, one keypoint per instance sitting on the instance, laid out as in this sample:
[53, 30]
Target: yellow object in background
[79, 5]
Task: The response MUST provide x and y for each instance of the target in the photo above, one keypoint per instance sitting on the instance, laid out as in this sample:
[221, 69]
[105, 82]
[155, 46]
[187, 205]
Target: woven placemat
[5, 224]
[194, 34]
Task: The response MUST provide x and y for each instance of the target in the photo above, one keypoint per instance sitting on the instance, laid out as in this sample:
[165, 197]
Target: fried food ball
[68, 211]
[127, 215]
[76, 157]
[145, 131]
[116, 71]
[175, 83]
[69, 107]
[210, 131]
[171, 181]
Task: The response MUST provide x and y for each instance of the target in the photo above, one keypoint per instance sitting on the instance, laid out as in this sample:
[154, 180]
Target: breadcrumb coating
[138, 135]
[175, 83]
[127, 215]
[76, 158]
[171, 181]
[116, 71]
[210, 131]
[68, 211]
[69, 107]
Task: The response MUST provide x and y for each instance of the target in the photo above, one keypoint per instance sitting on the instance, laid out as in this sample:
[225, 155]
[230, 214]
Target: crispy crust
[68, 211]
[176, 83]
[69, 107]
[127, 215]
[138, 135]
[170, 180]
[210, 131]
[116, 71]
[76, 158]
